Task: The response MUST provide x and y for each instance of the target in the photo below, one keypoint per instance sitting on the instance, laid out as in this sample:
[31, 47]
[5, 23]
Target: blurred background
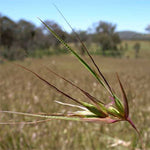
[110, 28]
[117, 35]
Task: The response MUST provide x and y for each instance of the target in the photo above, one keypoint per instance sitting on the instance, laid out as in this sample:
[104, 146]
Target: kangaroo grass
[92, 111]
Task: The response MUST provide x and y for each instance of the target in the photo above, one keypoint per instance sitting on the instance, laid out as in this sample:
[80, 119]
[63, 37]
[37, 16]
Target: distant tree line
[23, 38]
[18, 39]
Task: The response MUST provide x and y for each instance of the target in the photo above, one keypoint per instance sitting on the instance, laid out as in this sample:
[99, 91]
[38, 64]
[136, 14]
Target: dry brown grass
[21, 91]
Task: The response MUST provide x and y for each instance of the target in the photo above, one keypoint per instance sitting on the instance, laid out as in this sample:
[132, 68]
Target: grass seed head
[95, 110]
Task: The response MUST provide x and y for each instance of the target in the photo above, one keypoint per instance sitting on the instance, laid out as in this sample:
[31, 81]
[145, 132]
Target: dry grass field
[23, 92]
[144, 48]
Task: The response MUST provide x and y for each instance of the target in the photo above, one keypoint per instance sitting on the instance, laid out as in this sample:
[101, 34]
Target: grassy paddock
[21, 91]
[144, 50]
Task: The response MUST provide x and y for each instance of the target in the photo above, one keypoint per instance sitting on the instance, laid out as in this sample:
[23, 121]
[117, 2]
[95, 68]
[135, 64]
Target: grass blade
[42, 116]
[85, 48]
[75, 54]
[25, 122]
[132, 124]
[99, 105]
[125, 100]
[93, 99]
[98, 120]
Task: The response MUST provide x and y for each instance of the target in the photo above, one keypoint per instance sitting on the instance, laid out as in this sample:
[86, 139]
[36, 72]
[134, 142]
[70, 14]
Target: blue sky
[127, 14]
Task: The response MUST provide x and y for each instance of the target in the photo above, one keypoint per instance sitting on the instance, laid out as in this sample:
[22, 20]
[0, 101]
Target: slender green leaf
[75, 54]
[85, 48]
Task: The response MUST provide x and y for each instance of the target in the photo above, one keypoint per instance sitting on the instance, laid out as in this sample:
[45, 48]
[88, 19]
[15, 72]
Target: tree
[7, 29]
[126, 46]
[52, 41]
[137, 47]
[106, 36]
[83, 37]
[40, 40]
[25, 34]
[73, 38]
[148, 28]
[8, 40]
[0, 27]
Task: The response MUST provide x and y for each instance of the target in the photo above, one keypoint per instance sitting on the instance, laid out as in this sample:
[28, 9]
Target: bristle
[93, 99]
[85, 48]
[25, 122]
[68, 96]
[126, 107]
